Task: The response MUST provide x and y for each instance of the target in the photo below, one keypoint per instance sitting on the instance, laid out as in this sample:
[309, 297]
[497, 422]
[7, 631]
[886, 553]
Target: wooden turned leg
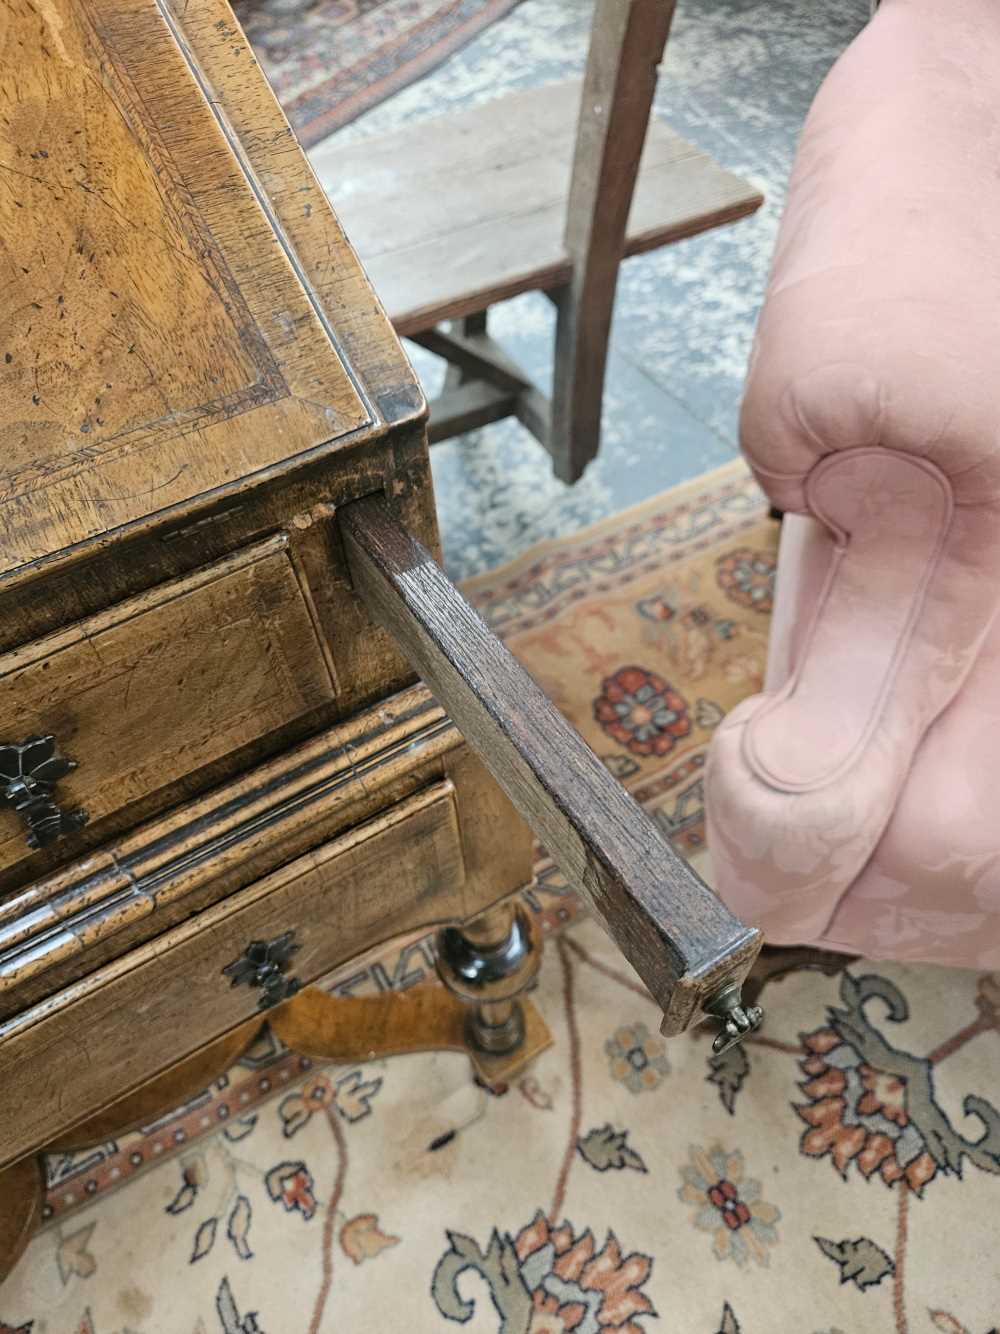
[22, 1194]
[479, 1011]
[488, 963]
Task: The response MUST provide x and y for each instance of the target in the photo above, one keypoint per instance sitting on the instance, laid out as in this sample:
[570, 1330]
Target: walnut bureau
[220, 776]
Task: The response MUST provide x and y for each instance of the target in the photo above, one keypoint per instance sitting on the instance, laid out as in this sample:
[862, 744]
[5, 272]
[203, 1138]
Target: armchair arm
[691, 952]
[877, 623]
[873, 408]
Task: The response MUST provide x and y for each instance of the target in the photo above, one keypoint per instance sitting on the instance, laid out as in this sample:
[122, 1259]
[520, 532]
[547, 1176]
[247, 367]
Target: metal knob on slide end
[736, 1020]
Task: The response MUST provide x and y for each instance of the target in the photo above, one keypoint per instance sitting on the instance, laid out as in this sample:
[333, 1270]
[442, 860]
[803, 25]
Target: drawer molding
[91, 901]
[402, 870]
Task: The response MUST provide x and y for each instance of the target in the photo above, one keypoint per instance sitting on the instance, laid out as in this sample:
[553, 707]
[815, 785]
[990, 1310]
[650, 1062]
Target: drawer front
[167, 682]
[149, 1009]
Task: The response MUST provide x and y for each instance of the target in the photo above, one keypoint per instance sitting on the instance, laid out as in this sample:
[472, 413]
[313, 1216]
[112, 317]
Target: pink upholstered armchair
[855, 804]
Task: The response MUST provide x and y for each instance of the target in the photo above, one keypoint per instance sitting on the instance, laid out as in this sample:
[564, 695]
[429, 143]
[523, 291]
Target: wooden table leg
[489, 962]
[22, 1195]
[423, 1018]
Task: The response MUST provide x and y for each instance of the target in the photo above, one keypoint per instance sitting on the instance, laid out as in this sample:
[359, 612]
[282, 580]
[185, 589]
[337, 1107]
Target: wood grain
[167, 682]
[160, 1095]
[62, 928]
[363, 1028]
[456, 213]
[422, 1018]
[366, 664]
[313, 1023]
[626, 47]
[152, 307]
[266, 145]
[498, 847]
[669, 925]
[143, 1013]
[22, 1195]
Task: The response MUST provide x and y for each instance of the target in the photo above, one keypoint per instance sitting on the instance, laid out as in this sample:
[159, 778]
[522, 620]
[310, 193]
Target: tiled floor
[738, 79]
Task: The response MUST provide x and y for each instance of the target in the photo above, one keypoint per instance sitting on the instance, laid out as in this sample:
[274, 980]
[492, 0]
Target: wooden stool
[546, 190]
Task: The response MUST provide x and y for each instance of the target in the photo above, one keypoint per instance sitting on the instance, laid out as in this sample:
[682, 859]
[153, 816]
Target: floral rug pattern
[838, 1174]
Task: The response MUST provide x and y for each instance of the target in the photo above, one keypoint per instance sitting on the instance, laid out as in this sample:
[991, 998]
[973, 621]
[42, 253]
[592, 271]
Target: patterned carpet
[838, 1175]
[341, 57]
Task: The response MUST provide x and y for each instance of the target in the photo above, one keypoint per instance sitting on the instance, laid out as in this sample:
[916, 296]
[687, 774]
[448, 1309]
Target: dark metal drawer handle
[29, 771]
[264, 964]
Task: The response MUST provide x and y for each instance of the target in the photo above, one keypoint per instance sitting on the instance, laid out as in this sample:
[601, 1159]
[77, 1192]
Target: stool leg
[488, 962]
[469, 325]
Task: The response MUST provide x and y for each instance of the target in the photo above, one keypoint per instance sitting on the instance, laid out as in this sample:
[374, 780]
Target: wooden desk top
[180, 312]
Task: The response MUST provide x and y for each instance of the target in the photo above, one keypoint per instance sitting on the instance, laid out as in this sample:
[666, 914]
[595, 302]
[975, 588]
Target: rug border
[325, 124]
[677, 496]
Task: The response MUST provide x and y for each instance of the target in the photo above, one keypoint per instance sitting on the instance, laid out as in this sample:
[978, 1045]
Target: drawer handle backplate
[264, 964]
[29, 771]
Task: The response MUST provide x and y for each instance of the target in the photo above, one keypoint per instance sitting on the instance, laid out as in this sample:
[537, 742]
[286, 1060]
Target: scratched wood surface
[144, 1012]
[159, 336]
[150, 690]
[191, 359]
[266, 144]
[62, 927]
